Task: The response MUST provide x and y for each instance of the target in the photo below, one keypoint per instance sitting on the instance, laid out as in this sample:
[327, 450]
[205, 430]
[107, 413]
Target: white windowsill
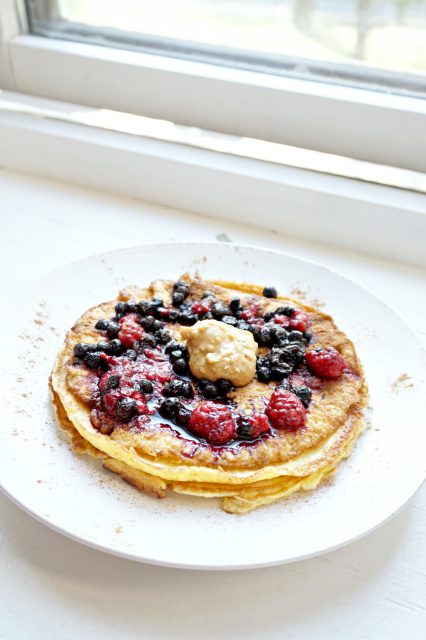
[369, 125]
[66, 588]
[360, 216]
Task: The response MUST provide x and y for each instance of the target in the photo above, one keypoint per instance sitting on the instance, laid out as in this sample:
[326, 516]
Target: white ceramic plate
[75, 496]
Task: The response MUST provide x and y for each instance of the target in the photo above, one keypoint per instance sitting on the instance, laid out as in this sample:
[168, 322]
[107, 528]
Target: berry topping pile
[142, 372]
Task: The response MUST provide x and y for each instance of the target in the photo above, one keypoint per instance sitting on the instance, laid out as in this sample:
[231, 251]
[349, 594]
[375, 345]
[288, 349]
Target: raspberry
[282, 320]
[253, 426]
[212, 421]
[325, 363]
[299, 321]
[285, 410]
[253, 311]
[130, 330]
[201, 307]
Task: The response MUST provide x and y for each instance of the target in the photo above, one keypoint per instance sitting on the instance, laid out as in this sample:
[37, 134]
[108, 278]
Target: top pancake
[164, 452]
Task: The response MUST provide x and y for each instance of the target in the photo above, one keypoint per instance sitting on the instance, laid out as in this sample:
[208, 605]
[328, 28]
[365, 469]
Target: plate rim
[136, 557]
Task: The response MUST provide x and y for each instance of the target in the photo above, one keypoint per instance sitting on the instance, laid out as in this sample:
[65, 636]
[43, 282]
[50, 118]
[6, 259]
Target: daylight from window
[386, 34]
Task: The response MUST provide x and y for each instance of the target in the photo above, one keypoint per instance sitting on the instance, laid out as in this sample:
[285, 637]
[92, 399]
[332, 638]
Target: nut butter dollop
[217, 350]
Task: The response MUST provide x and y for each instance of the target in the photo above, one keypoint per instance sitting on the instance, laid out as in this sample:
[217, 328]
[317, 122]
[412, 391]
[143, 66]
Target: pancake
[157, 452]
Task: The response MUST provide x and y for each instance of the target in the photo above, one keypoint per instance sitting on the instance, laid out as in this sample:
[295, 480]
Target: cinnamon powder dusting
[402, 382]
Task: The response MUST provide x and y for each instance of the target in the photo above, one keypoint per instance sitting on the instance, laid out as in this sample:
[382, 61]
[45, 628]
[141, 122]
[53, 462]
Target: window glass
[377, 41]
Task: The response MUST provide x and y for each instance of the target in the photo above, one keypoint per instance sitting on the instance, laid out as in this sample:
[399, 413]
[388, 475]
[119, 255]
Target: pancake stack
[157, 452]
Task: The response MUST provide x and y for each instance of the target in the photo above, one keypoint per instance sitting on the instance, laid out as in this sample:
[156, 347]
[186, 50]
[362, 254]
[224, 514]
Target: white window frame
[353, 122]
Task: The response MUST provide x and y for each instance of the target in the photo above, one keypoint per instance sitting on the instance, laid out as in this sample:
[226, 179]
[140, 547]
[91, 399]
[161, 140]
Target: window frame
[379, 220]
[359, 123]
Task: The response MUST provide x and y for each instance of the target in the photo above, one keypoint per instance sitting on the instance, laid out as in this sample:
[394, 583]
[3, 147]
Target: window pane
[373, 41]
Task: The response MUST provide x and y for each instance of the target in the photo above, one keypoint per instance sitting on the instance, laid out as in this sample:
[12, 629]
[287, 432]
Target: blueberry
[142, 307]
[262, 361]
[220, 309]
[238, 314]
[207, 389]
[172, 346]
[282, 343]
[275, 359]
[180, 285]
[130, 354]
[171, 315]
[230, 320]
[162, 336]
[242, 324]
[102, 346]
[185, 353]
[277, 354]
[308, 336]
[153, 306]
[102, 324]
[223, 386]
[295, 336]
[294, 353]
[147, 323]
[244, 428]
[145, 386]
[178, 388]
[269, 315]
[187, 319]
[172, 388]
[93, 360]
[131, 306]
[280, 335]
[126, 408]
[182, 415]
[281, 371]
[178, 298]
[175, 355]
[180, 367]
[180, 292]
[264, 374]
[208, 316]
[207, 294]
[304, 394]
[120, 309]
[157, 325]
[114, 347]
[255, 331]
[112, 329]
[169, 408]
[235, 304]
[188, 391]
[80, 350]
[148, 342]
[112, 383]
[285, 311]
[270, 292]
[284, 385]
[159, 312]
[265, 336]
